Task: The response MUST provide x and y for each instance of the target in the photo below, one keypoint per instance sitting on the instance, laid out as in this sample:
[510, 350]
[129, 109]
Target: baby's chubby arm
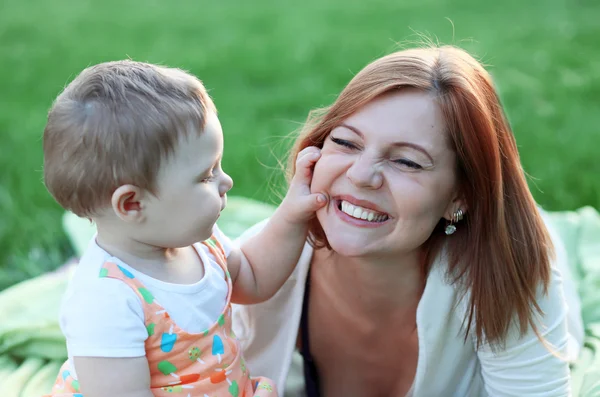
[115, 377]
[262, 264]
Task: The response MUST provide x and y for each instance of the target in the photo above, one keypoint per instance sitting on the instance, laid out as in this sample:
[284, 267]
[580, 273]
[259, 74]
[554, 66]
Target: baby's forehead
[195, 151]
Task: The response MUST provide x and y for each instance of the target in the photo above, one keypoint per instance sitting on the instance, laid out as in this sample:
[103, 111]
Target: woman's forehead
[406, 115]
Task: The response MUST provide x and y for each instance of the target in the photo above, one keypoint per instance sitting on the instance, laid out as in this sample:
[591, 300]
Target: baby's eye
[208, 178]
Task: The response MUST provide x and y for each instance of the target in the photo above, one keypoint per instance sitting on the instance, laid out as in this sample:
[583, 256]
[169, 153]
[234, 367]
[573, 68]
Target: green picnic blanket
[32, 347]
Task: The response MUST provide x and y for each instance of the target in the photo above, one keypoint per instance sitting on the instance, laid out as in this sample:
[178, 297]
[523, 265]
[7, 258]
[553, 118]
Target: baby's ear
[127, 203]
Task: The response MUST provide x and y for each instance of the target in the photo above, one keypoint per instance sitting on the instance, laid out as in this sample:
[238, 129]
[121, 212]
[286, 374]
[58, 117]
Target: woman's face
[390, 175]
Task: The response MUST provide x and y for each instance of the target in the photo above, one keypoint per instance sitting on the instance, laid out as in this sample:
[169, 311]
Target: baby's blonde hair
[113, 125]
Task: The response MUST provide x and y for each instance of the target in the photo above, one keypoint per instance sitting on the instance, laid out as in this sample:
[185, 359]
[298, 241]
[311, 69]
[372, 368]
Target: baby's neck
[175, 265]
[123, 247]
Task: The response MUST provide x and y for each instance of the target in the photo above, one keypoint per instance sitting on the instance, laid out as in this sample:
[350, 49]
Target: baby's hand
[299, 204]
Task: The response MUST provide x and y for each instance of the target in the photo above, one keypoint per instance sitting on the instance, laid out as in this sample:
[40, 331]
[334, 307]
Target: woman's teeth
[362, 213]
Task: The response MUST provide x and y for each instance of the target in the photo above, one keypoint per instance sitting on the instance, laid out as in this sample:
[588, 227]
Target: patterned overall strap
[218, 251]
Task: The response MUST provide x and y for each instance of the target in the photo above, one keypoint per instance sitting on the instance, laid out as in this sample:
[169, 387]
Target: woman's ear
[458, 203]
[127, 203]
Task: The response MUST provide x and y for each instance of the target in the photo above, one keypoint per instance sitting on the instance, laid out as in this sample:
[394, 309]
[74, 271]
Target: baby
[137, 149]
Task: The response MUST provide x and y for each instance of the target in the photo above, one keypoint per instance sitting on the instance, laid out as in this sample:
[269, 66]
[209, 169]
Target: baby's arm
[116, 377]
[263, 263]
[103, 322]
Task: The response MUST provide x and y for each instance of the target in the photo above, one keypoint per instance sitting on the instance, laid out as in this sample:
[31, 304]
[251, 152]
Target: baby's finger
[304, 173]
[311, 203]
[308, 150]
[307, 153]
[305, 161]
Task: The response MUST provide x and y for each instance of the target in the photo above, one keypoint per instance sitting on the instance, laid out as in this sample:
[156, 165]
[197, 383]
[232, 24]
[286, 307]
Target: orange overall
[209, 364]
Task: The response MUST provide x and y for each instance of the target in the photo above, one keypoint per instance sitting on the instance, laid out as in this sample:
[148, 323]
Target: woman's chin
[348, 247]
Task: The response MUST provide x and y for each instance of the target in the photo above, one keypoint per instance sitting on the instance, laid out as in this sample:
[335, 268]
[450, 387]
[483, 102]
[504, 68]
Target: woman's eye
[409, 164]
[344, 143]
[403, 162]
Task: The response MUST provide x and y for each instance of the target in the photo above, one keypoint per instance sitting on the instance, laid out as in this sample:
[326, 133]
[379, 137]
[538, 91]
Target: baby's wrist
[290, 214]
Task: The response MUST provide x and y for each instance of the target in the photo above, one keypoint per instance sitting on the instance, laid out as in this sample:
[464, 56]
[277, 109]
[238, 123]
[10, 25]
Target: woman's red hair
[500, 255]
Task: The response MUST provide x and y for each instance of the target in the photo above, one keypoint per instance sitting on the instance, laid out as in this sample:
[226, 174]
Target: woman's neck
[375, 285]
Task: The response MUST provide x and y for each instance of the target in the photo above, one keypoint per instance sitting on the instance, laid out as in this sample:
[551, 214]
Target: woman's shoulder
[442, 296]
[560, 300]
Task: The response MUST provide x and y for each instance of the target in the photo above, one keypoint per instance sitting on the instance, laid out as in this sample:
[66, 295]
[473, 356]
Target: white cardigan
[446, 365]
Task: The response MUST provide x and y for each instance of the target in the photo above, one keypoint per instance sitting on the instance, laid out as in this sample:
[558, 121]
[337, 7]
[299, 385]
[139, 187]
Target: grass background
[267, 63]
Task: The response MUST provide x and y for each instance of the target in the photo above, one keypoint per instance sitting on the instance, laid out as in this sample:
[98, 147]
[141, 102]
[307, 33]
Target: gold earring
[456, 217]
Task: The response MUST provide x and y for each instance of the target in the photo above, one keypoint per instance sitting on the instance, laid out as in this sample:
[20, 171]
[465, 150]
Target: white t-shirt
[103, 317]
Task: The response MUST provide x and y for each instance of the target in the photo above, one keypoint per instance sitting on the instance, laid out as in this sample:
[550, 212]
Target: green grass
[267, 63]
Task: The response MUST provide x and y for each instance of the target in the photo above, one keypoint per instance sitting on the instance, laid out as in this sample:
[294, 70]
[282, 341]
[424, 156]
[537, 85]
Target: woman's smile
[359, 213]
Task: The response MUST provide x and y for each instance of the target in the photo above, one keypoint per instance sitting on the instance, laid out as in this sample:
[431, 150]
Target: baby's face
[192, 190]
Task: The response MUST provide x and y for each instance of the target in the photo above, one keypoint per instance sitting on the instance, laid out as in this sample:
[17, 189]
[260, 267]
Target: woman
[430, 272]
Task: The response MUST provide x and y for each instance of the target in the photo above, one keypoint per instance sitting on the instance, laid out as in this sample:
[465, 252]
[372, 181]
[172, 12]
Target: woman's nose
[365, 173]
